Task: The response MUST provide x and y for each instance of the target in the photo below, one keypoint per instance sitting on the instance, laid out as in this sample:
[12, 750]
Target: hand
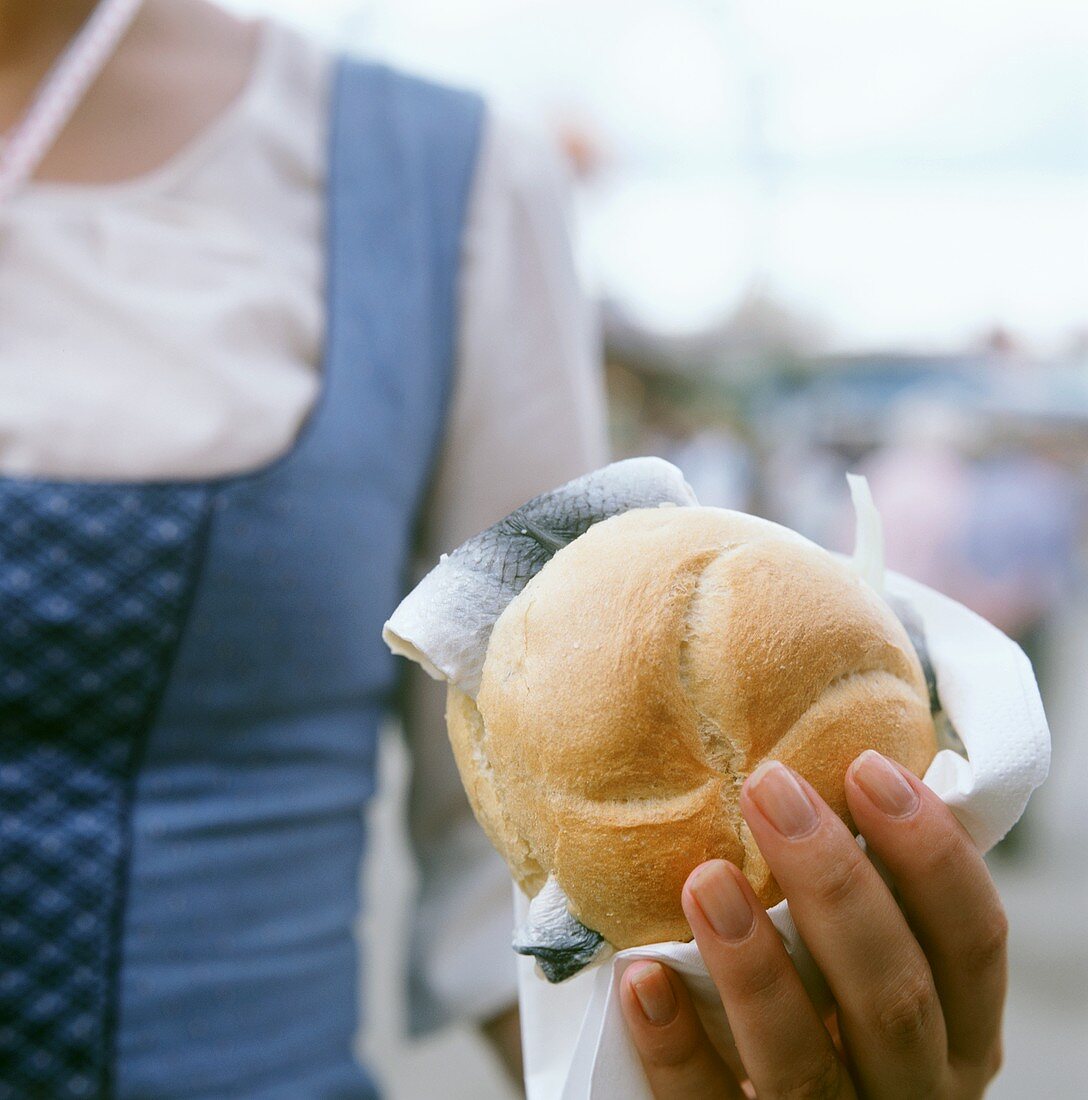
[919, 990]
[503, 1031]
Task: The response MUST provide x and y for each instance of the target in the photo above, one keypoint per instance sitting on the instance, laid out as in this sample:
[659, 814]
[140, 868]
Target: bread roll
[638, 679]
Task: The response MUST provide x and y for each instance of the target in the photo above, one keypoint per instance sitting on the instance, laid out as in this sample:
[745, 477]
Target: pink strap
[62, 91]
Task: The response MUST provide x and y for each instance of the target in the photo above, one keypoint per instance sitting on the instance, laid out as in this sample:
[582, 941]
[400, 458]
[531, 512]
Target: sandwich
[619, 659]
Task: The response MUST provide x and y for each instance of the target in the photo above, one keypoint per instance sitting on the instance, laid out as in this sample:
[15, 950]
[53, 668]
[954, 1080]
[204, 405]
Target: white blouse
[171, 327]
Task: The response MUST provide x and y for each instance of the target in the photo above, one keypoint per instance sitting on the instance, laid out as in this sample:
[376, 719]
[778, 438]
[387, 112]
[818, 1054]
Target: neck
[32, 33]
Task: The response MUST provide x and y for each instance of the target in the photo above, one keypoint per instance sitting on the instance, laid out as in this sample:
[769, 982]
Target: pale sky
[908, 173]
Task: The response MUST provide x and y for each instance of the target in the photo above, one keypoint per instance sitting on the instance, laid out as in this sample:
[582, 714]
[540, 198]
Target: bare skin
[919, 989]
[178, 68]
[181, 64]
[504, 1033]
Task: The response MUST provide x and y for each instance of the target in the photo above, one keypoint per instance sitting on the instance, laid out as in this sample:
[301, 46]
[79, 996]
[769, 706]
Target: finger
[785, 1048]
[888, 1006]
[679, 1059]
[947, 894]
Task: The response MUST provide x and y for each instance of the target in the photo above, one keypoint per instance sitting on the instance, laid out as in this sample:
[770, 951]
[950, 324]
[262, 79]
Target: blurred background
[851, 235]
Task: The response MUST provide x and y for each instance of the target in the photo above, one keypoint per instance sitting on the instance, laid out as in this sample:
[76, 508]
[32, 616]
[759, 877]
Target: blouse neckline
[193, 153]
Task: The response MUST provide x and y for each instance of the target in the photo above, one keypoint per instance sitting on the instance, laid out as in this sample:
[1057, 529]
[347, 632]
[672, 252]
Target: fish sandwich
[606, 714]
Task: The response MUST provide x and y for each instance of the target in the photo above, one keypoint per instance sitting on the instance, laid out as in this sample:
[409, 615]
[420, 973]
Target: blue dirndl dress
[192, 679]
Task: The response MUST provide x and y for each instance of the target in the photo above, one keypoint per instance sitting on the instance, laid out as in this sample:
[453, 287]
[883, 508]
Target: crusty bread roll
[637, 680]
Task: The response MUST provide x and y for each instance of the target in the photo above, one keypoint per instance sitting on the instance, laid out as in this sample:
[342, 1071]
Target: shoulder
[373, 89]
[519, 165]
[426, 135]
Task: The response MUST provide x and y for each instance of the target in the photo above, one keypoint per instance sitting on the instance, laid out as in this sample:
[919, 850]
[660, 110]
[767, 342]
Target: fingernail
[884, 784]
[654, 992]
[722, 901]
[782, 800]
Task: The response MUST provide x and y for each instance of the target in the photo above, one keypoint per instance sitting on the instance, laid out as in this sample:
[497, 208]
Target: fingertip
[689, 899]
[672, 1045]
[904, 821]
[629, 999]
[646, 969]
[707, 869]
[769, 767]
[872, 755]
[650, 992]
[778, 803]
[884, 784]
[718, 899]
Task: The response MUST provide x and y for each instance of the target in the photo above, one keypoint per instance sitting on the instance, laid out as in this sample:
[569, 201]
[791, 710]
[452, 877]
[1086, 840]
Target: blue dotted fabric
[94, 584]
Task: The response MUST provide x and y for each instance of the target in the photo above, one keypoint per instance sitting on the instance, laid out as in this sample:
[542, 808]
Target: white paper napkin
[575, 1041]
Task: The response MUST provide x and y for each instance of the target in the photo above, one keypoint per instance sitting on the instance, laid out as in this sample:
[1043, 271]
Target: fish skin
[907, 614]
[912, 624]
[562, 961]
[516, 548]
[561, 944]
[474, 584]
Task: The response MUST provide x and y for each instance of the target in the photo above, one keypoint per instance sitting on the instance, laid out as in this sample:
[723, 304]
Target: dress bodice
[192, 679]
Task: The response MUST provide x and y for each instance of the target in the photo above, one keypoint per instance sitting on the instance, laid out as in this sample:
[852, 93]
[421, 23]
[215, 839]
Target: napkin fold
[574, 1038]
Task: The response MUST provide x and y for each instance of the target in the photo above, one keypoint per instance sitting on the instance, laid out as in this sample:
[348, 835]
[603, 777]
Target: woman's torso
[197, 714]
[172, 324]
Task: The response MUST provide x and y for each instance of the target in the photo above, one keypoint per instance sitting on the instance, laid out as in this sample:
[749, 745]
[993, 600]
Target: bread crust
[638, 679]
